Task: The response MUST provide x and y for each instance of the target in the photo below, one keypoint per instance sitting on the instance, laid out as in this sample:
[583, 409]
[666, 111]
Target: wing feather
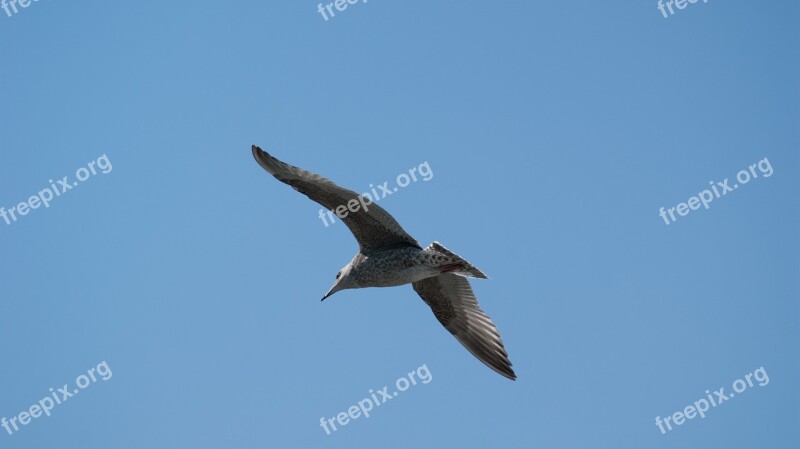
[372, 226]
[455, 306]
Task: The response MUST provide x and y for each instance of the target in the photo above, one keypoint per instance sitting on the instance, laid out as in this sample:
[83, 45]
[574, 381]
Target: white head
[344, 280]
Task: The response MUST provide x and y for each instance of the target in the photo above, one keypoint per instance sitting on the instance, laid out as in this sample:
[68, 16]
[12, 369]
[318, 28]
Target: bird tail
[460, 266]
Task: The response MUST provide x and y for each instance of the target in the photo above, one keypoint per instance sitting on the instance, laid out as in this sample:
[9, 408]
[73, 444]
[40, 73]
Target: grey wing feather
[373, 228]
[455, 306]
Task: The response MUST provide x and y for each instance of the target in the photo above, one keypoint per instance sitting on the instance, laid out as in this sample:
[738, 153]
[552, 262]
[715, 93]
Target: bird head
[343, 281]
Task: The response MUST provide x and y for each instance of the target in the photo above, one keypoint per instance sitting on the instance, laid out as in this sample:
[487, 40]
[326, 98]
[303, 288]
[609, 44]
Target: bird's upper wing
[373, 228]
[455, 306]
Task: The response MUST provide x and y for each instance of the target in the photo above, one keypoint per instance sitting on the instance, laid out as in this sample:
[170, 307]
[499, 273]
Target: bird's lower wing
[372, 226]
[455, 306]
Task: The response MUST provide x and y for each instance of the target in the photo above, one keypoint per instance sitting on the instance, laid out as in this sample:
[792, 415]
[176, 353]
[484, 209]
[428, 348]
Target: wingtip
[504, 370]
[262, 157]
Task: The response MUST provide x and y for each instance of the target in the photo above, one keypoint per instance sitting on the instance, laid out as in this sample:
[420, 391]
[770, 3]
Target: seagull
[388, 256]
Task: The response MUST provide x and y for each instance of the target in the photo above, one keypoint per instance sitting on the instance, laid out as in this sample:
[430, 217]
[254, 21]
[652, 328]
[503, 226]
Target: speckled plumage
[393, 267]
[388, 256]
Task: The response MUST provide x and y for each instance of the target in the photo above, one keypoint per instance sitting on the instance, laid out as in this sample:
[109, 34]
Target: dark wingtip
[505, 370]
[263, 158]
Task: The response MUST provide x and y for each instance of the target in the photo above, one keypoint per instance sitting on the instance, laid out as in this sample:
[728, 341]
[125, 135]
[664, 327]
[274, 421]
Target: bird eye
[338, 274]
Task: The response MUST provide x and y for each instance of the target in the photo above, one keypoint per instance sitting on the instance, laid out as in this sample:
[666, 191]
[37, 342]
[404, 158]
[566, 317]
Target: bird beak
[330, 292]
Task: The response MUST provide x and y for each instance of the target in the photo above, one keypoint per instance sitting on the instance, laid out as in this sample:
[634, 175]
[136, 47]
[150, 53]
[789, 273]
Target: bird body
[388, 256]
[405, 265]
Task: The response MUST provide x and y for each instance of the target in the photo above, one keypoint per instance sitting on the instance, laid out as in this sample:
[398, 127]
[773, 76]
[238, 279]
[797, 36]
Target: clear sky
[554, 132]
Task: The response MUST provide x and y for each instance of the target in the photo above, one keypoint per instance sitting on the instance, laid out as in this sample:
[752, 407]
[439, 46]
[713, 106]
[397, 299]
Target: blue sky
[554, 130]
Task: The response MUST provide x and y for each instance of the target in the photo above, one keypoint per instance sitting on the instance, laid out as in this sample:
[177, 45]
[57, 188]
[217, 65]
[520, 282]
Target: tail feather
[466, 269]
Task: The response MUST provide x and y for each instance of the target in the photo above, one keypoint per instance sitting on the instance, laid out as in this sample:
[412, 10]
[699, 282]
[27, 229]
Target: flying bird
[388, 256]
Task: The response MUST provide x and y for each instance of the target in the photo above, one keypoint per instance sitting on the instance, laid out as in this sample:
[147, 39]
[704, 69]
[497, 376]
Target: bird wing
[373, 228]
[455, 306]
